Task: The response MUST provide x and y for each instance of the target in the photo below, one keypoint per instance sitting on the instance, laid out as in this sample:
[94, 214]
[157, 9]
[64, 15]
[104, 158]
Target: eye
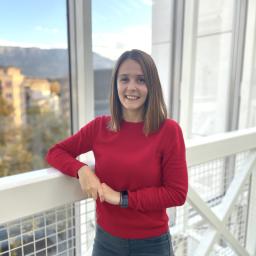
[123, 79]
[141, 80]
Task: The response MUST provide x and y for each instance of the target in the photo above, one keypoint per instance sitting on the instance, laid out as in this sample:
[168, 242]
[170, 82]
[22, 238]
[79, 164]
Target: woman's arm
[62, 155]
[174, 187]
[173, 190]
[90, 183]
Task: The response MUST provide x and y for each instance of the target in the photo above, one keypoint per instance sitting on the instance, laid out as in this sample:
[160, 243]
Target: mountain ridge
[44, 63]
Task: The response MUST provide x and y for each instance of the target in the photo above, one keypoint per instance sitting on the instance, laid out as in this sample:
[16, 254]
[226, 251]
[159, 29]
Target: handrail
[202, 150]
[29, 193]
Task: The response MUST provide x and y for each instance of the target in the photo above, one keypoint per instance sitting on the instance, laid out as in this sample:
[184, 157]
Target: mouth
[131, 97]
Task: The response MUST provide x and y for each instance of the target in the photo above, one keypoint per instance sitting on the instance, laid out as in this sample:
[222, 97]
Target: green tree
[6, 112]
[6, 109]
[15, 159]
[23, 148]
[43, 130]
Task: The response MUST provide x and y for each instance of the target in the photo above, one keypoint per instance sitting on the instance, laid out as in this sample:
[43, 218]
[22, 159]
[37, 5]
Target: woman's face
[132, 89]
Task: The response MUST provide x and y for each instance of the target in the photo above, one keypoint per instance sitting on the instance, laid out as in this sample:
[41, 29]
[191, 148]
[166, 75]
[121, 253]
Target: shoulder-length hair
[154, 107]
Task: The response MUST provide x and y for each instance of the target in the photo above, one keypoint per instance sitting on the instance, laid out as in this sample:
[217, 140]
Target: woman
[140, 165]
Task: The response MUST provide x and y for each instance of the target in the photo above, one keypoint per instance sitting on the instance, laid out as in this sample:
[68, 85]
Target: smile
[131, 97]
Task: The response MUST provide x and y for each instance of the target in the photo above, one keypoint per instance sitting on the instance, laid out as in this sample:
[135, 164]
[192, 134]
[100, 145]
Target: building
[12, 90]
[42, 95]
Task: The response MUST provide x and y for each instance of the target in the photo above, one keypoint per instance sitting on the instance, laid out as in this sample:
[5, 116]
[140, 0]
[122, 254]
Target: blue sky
[33, 22]
[113, 15]
[116, 24]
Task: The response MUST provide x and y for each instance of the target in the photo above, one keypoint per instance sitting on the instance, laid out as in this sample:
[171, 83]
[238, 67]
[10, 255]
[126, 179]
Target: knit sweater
[151, 168]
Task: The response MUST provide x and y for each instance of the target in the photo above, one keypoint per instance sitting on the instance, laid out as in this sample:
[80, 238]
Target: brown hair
[154, 108]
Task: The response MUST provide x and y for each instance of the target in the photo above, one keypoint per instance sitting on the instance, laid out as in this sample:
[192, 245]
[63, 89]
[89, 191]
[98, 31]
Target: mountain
[44, 63]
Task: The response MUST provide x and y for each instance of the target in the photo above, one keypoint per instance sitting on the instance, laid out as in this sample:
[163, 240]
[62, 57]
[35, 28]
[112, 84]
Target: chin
[133, 107]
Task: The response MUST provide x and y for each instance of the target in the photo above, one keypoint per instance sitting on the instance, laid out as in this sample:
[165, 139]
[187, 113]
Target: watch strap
[124, 199]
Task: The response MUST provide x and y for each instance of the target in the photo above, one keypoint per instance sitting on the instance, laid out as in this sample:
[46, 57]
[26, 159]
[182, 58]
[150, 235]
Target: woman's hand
[90, 183]
[110, 196]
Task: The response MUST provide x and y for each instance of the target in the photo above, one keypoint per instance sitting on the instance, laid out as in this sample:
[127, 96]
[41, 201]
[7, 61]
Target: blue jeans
[108, 245]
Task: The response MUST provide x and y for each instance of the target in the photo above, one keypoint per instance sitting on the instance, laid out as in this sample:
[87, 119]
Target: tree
[44, 130]
[6, 109]
[16, 159]
[23, 148]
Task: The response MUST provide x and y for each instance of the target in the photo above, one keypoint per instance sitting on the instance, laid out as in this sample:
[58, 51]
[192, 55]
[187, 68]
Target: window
[34, 114]
[247, 115]
[113, 32]
[34, 79]
[210, 58]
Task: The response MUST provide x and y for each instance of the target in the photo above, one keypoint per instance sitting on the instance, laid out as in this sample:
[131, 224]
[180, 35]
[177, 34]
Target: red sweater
[152, 168]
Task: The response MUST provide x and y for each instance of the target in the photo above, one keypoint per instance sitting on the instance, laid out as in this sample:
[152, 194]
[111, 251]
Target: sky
[117, 25]
[39, 23]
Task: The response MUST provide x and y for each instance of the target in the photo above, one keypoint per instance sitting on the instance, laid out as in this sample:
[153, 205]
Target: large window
[218, 81]
[34, 114]
[209, 37]
[113, 32]
[34, 82]
[247, 115]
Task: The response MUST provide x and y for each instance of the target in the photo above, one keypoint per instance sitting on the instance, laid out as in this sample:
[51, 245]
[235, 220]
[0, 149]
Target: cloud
[148, 2]
[111, 45]
[29, 45]
[47, 29]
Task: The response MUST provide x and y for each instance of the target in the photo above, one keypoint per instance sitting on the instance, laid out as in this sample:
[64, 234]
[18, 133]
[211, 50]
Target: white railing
[38, 191]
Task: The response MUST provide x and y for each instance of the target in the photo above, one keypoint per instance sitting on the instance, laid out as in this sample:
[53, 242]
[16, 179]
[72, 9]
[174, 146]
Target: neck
[132, 117]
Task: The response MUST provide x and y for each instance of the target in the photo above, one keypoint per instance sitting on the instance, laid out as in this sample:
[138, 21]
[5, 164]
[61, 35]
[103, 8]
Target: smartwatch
[124, 199]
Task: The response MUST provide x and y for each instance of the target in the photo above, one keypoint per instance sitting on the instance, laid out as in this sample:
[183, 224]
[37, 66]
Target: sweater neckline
[132, 123]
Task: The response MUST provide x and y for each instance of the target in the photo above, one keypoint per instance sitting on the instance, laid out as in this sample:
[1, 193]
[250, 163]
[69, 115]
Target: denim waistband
[106, 244]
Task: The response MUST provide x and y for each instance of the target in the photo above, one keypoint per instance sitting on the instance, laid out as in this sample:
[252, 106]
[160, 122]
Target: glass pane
[211, 84]
[215, 16]
[252, 110]
[113, 32]
[211, 68]
[247, 115]
[34, 82]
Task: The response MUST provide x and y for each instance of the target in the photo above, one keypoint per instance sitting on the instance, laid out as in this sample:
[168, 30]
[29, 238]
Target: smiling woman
[132, 90]
[140, 164]
[139, 77]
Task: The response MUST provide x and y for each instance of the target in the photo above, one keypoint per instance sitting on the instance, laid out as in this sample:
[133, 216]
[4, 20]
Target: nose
[132, 85]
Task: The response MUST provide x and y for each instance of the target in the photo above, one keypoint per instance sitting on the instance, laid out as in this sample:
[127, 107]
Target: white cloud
[47, 29]
[27, 45]
[111, 45]
[148, 2]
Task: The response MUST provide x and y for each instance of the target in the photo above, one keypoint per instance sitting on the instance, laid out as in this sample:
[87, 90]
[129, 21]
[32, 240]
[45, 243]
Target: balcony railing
[44, 212]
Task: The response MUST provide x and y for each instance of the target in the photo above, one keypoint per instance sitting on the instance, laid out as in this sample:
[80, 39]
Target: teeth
[131, 97]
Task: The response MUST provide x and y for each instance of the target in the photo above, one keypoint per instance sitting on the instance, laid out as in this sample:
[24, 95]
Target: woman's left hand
[110, 196]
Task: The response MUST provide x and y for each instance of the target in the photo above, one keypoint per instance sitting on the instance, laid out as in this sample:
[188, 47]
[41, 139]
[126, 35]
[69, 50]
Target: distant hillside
[44, 63]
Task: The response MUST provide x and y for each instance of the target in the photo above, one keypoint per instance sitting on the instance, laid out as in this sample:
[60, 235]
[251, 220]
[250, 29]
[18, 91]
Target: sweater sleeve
[62, 155]
[173, 190]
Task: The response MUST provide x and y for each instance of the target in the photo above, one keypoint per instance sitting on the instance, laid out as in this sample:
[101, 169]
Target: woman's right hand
[90, 183]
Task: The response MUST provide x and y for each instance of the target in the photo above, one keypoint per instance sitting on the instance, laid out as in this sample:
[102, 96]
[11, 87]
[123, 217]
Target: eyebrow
[129, 74]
